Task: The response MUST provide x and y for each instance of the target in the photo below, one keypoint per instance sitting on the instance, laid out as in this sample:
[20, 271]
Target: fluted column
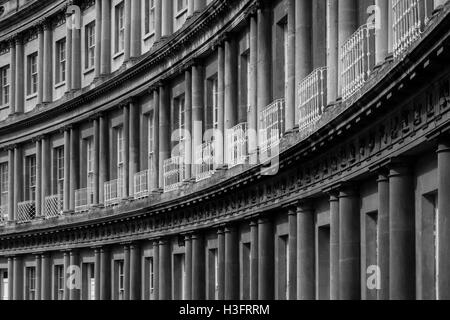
[97, 272]
[75, 293]
[402, 234]
[134, 143]
[266, 285]
[106, 37]
[18, 178]
[20, 76]
[96, 190]
[135, 272]
[231, 264]
[188, 151]
[74, 165]
[41, 64]
[165, 279]
[264, 88]
[46, 170]
[164, 131]
[332, 51]
[76, 58]
[38, 277]
[105, 274]
[252, 117]
[135, 39]
[334, 247]
[126, 271]
[46, 292]
[349, 245]
[11, 185]
[17, 278]
[444, 217]
[10, 278]
[221, 263]
[306, 253]
[292, 254]
[104, 157]
[39, 171]
[198, 268]
[188, 268]
[219, 148]
[197, 109]
[12, 83]
[166, 18]
[48, 71]
[98, 37]
[66, 204]
[383, 234]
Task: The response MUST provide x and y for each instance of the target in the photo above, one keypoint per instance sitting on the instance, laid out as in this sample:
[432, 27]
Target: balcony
[205, 161]
[141, 184]
[174, 173]
[237, 145]
[407, 23]
[312, 99]
[357, 61]
[3, 214]
[26, 211]
[272, 128]
[83, 200]
[53, 206]
[113, 192]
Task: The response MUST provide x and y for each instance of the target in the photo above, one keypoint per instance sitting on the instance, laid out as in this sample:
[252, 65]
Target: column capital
[19, 39]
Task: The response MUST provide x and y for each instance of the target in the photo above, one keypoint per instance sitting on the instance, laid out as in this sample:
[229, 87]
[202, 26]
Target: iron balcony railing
[272, 126]
[83, 200]
[356, 59]
[408, 21]
[53, 206]
[113, 192]
[174, 173]
[312, 99]
[141, 184]
[205, 165]
[237, 145]
[3, 214]
[26, 211]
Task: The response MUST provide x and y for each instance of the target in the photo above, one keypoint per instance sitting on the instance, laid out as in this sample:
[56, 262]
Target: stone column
[198, 268]
[290, 67]
[96, 160]
[264, 87]
[134, 143]
[75, 294]
[444, 217]
[40, 207]
[135, 272]
[46, 276]
[188, 268]
[156, 268]
[74, 165]
[41, 54]
[252, 117]
[11, 185]
[190, 7]
[332, 51]
[46, 170]
[303, 42]
[381, 35]
[334, 247]
[48, 62]
[10, 278]
[219, 148]
[158, 19]
[12, 83]
[197, 110]
[20, 76]
[66, 204]
[231, 263]
[69, 52]
[98, 37]
[76, 58]
[106, 37]
[104, 157]
[135, 50]
[165, 269]
[292, 253]
[126, 271]
[266, 285]
[126, 150]
[18, 179]
[230, 82]
[18, 278]
[166, 18]
[38, 277]
[221, 263]
[383, 234]
[97, 272]
[306, 253]
[347, 25]
[105, 274]
[127, 21]
[164, 131]
[199, 5]
[188, 151]
[155, 176]
[254, 260]
[66, 276]
[402, 234]
[349, 245]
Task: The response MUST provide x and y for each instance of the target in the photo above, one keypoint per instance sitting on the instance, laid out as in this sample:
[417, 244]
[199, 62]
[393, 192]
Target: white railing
[312, 98]
[141, 184]
[407, 23]
[3, 214]
[83, 200]
[174, 173]
[272, 126]
[237, 145]
[53, 206]
[356, 61]
[205, 163]
[113, 192]
[26, 211]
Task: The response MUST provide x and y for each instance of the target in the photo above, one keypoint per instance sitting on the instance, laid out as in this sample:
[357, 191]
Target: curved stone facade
[239, 149]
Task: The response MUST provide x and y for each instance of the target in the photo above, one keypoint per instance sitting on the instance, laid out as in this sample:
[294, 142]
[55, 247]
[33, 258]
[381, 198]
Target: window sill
[118, 54]
[60, 84]
[88, 70]
[3, 107]
[148, 36]
[180, 13]
[31, 96]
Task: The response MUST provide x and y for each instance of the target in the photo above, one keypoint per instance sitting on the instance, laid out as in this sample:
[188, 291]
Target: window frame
[32, 74]
[90, 41]
[4, 183]
[60, 62]
[5, 85]
[120, 28]
[149, 17]
[30, 283]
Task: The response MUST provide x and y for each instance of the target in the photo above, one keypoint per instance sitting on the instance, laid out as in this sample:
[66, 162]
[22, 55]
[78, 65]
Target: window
[60, 170]
[216, 274]
[120, 154]
[90, 45]
[121, 280]
[4, 184]
[4, 287]
[150, 10]
[152, 276]
[31, 177]
[61, 61]
[212, 110]
[59, 278]
[120, 25]
[32, 74]
[4, 85]
[181, 5]
[180, 12]
[31, 283]
[90, 270]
